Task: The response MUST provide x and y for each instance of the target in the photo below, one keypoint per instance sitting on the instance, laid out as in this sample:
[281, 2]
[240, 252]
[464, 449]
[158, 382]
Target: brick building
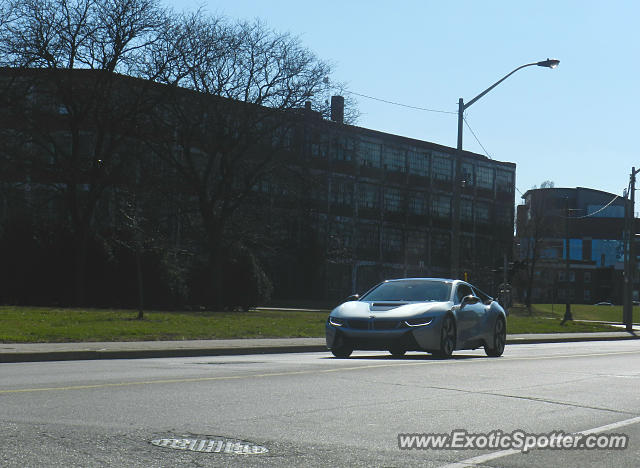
[346, 208]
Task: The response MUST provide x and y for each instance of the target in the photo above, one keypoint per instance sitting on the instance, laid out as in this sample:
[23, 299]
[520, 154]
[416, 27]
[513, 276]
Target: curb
[569, 339]
[84, 354]
[152, 353]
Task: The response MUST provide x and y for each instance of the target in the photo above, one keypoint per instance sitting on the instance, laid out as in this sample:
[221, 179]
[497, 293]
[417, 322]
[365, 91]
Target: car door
[470, 316]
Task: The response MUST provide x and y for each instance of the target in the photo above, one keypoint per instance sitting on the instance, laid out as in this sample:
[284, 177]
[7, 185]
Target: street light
[455, 251]
[549, 63]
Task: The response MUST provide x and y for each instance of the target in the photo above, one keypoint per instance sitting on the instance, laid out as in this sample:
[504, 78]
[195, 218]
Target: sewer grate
[210, 444]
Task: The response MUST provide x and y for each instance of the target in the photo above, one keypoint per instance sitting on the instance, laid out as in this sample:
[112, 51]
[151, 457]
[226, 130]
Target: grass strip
[63, 325]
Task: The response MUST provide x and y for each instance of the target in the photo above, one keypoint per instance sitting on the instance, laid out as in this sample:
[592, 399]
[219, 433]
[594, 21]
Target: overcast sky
[575, 125]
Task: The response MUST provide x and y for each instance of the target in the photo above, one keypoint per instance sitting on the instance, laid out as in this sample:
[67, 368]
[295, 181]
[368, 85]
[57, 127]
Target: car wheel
[499, 339]
[447, 338]
[342, 352]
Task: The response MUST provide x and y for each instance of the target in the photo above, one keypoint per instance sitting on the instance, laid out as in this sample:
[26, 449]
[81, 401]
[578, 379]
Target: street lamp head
[549, 63]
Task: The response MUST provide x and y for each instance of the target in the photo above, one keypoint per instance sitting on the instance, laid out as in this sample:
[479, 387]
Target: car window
[485, 298]
[410, 290]
[462, 291]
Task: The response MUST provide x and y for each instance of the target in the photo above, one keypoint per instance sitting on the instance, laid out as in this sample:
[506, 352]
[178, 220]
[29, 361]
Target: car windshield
[410, 290]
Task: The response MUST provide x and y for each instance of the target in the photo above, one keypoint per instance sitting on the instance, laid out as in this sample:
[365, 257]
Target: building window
[504, 181]
[368, 236]
[587, 295]
[392, 239]
[416, 243]
[466, 210]
[342, 192]
[392, 199]
[482, 213]
[343, 149]
[370, 154]
[442, 168]
[440, 249]
[484, 177]
[417, 203]
[340, 236]
[587, 277]
[394, 160]
[418, 163]
[466, 250]
[441, 206]
[607, 252]
[467, 175]
[368, 196]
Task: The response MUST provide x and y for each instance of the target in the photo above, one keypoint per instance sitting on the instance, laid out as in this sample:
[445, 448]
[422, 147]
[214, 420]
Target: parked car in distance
[434, 315]
[603, 304]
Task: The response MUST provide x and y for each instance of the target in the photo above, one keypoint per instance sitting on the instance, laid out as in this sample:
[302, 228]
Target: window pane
[418, 163]
[484, 177]
[441, 168]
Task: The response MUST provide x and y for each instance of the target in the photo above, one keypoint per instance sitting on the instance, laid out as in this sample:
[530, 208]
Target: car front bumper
[411, 338]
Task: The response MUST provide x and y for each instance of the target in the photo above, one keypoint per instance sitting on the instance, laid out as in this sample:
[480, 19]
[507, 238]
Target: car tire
[499, 339]
[447, 338]
[342, 352]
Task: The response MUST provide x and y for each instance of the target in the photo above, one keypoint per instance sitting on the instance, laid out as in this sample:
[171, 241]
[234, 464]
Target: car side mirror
[469, 300]
[353, 297]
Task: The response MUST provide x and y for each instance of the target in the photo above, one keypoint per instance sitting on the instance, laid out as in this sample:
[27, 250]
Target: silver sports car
[418, 314]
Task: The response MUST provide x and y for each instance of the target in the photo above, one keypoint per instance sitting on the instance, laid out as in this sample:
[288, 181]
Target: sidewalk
[31, 352]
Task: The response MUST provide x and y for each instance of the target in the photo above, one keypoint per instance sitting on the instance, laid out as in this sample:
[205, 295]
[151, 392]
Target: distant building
[593, 222]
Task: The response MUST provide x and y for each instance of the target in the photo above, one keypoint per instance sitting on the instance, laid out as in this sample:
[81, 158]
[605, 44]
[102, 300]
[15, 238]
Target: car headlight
[418, 322]
[335, 321]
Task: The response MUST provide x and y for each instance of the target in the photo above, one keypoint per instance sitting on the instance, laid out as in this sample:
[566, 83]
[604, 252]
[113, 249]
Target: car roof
[443, 280]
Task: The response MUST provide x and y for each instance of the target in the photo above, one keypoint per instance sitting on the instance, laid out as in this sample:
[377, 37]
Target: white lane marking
[471, 462]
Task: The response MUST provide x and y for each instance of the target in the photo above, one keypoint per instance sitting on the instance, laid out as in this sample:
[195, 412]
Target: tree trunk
[215, 267]
[80, 254]
[140, 282]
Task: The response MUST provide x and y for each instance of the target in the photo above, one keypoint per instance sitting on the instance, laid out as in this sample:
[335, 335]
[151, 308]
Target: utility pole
[630, 263]
[567, 308]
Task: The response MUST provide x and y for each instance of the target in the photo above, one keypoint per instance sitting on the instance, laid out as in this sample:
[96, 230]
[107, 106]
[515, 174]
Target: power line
[400, 104]
[474, 136]
[601, 209]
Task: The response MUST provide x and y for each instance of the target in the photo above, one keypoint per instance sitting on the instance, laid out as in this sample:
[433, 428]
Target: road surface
[314, 410]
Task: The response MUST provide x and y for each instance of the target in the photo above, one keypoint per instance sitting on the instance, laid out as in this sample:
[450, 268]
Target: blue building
[593, 223]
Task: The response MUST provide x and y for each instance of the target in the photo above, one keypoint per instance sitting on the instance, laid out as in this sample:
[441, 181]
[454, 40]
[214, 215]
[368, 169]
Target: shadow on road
[410, 357]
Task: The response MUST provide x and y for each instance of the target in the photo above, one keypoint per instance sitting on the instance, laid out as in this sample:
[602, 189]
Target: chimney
[337, 109]
[307, 105]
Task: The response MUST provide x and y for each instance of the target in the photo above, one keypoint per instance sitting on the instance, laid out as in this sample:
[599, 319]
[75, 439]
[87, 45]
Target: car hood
[380, 309]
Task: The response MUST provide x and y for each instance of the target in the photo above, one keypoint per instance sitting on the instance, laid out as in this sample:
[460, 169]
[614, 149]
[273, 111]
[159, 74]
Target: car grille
[374, 324]
[359, 324]
[385, 324]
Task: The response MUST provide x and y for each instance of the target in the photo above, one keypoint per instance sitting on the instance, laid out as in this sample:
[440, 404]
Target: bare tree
[78, 127]
[540, 225]
[237, 89]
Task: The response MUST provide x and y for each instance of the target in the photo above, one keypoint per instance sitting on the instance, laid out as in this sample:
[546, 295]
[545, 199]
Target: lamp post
[549, 63]
[462, 106]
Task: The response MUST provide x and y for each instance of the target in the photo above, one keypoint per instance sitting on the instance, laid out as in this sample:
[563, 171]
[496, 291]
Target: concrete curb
[43, 352]
[84, 355]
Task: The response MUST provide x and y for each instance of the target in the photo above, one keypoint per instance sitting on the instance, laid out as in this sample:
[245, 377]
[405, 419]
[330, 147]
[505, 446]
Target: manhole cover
[210, 444]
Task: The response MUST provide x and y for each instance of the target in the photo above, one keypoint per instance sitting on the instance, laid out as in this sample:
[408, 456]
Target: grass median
[62, 325]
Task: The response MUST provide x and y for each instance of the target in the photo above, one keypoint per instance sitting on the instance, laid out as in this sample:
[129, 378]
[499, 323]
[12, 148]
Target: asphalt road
[313, 410]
